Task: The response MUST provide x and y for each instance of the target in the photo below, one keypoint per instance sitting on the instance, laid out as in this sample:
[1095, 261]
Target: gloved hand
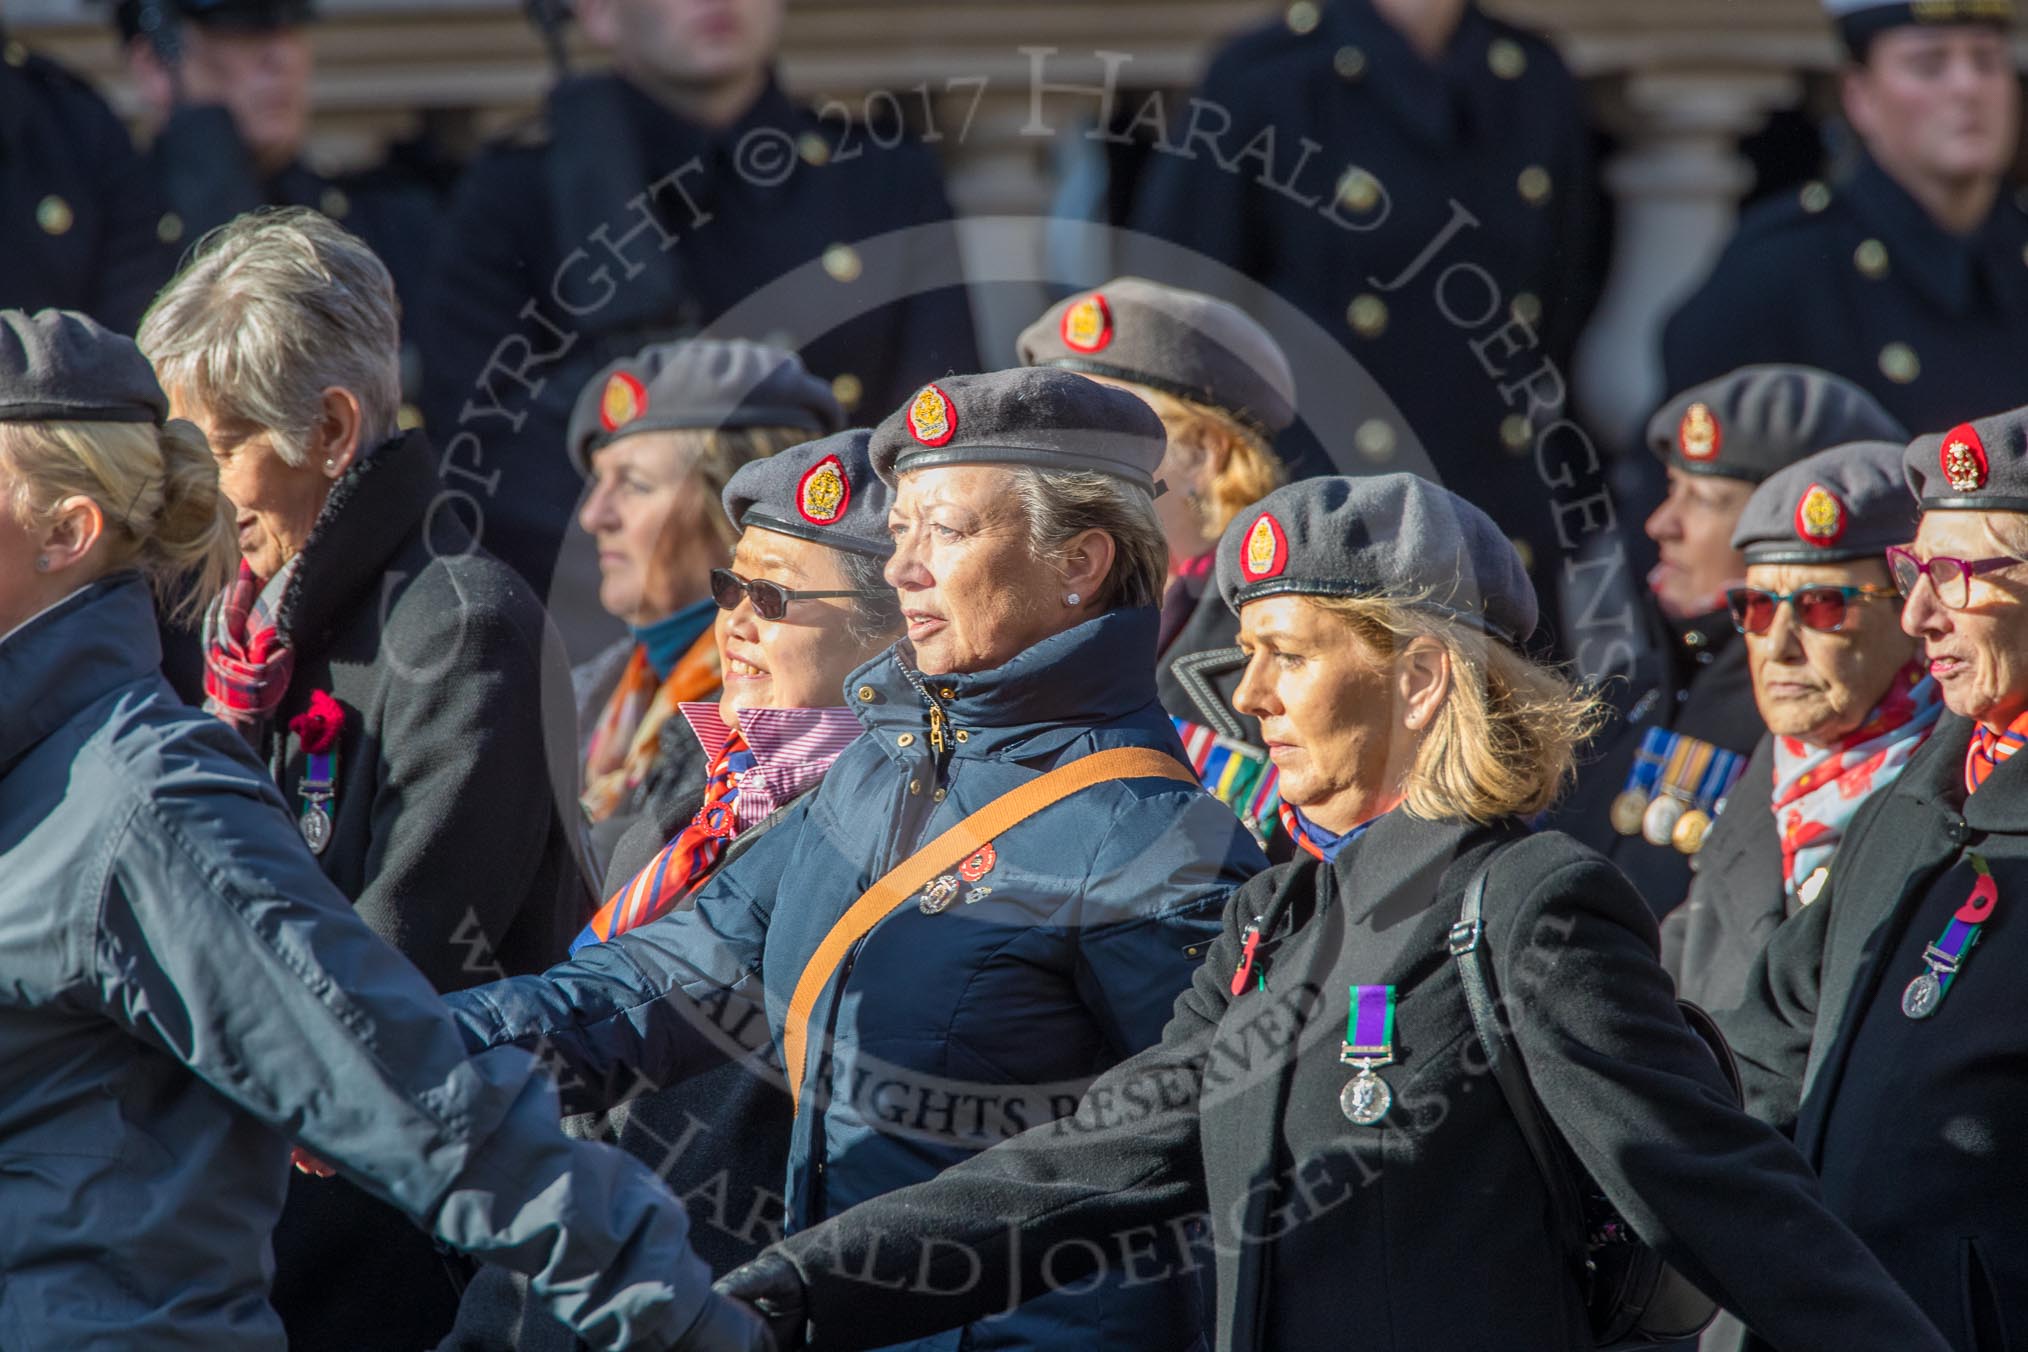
[772, 1285]
[725, 1325]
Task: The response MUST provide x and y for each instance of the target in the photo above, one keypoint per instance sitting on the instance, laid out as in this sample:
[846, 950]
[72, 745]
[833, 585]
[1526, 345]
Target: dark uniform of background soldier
[1687, 720]
[645, 205]
[226, 84]
[1425, 110]
[1835, 680]
[1884, 1025]
[1906, 272]
[79, 218]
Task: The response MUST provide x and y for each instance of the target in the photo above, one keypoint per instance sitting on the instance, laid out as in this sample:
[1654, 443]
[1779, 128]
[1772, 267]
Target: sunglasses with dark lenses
[770, 599]
[1822, 608]
[1952, 578]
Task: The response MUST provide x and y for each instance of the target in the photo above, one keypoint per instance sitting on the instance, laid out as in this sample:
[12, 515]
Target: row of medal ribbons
[1677, 787]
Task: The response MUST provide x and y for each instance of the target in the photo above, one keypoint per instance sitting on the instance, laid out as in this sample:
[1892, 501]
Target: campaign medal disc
[1658, 823]
[1365, 1098]
[315, 824]
[1922, 997]
[1628, 809]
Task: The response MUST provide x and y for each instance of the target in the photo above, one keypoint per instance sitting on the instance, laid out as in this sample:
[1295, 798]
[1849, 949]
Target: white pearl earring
[1072, 599]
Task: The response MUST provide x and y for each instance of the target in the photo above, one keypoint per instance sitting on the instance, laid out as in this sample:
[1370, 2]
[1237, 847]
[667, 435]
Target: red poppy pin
[979, 865]
[318, 726]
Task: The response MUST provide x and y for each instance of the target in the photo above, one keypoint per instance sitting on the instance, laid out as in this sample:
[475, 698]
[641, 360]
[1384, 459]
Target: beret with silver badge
[1394, 536]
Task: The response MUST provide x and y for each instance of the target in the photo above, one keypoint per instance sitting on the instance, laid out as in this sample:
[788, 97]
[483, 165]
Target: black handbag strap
[1503, 1059]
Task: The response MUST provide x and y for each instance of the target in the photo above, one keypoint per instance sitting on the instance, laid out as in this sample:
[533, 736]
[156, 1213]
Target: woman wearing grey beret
[1322, 1088]
[997, 891]
[186, 992]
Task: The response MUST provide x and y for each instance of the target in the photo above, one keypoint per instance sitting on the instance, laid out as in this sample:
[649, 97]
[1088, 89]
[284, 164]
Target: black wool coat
[1430, 1229]
[453, 825]
[1910, 1122]
[1737, 894]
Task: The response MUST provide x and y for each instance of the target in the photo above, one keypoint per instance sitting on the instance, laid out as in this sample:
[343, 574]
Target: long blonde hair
[1250, 470]
[1505, 742]
[157, 488]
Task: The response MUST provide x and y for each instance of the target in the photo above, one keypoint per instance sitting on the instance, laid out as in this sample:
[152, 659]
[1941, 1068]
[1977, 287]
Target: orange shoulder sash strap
[947, 851]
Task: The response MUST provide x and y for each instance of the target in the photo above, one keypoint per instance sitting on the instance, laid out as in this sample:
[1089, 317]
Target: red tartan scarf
[247, 660]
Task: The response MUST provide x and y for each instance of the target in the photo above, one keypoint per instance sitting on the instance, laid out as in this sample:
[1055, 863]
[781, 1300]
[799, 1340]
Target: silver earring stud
[330, 465]
[1072, 599]
[42, 564]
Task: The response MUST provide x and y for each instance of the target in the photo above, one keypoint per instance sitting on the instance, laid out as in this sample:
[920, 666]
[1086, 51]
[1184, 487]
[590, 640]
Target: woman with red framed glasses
[1882, 1025]
[1836, 681]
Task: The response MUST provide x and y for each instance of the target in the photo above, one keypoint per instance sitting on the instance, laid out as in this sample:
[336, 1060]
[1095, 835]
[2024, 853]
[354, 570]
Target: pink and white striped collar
[792, 750]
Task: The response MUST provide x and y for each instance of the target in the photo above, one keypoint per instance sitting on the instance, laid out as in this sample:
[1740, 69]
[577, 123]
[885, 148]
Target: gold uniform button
[408, 417]
[866, 694]
[915, 786]
[1301, 18]
[1815, 196]
[1527, 308]
[814, 149]
[1358, 190]
[906, 739]
[963, 736]
[170, 228]
[1525, 552]
[17, 55]
[842, 262]
[1899, 363]
[1507, 59]
[848, 390]
[1349, 62]
[947, 693]
[335, 204]
[1375, 439]
[1515, 433]
[1535, 185]
[938, 796]
[54, 215]
[1367, 314]
[1871, 259]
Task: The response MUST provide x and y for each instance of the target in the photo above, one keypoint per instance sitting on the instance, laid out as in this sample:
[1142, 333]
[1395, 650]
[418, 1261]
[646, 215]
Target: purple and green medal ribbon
[319, 773]
[1369, 1025]
[1948, 952]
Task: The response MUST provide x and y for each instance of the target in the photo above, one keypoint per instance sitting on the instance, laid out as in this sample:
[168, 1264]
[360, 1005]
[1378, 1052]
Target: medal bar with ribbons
[1946, 957]
[1688, 760]
[1692, 827]
[1369, 1044]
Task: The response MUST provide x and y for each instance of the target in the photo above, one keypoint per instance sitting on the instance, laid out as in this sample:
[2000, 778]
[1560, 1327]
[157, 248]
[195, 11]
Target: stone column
[1676, 184]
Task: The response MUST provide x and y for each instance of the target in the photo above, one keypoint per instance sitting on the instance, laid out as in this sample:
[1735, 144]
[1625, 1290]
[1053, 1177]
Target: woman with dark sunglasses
[1882, 1024]
[1845, 703]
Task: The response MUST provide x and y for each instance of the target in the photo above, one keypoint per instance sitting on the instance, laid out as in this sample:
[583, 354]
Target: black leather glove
[771, 1284]
[726, 1326]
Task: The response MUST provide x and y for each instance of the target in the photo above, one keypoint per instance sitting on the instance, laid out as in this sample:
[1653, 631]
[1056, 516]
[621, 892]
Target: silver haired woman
[399, 683]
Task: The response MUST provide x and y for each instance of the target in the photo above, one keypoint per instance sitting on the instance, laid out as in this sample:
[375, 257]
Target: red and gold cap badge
[1820, 517]
[931, 418]
[1088, 324]
[1963, 458]
[624, 400]
[824, 492]
[1699, 436]
[1267, 550]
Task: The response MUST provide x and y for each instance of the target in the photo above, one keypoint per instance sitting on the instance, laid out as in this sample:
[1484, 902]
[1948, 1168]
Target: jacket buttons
[1367, 314]
[915, 786]
[1899, 363]
[962, 735]
[1516, 434]
[1535, 185]
[1871, 259]
[1815, 196]
[1507, 59]
[866, 694]
[906, 739]
[842, 262]
[947, 693]
[1302, 17]
[1960, 832]
[848, 390]
[938, 796]
[54, 215]
[1349, 62]
[1375, 440]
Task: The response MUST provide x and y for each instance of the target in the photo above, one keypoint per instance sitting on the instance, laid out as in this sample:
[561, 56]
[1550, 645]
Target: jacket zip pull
[1247, 953]
[936, 729]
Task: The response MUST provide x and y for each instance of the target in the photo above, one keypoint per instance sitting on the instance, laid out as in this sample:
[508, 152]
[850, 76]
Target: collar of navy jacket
[100, 639]
[1089, 676]
[1946, 269]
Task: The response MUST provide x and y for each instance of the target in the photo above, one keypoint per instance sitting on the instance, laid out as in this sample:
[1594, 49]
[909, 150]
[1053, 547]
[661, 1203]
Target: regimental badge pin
[931, 418]
[824, 493]
[1820, 517]
[977, 895]
[938, 896]
[1963, 458]
[1266, 552]
[1699, 436]
[1088, 324]
[625, 399]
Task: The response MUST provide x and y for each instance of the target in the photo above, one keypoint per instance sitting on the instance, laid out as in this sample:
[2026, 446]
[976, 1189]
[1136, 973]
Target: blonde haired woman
[1223, 390]
[184, 991]
[1320, 1088]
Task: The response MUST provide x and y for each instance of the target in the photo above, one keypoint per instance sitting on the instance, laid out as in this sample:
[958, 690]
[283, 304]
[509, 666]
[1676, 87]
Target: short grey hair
[268, 312]
[1062, 504]
[874, 618]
